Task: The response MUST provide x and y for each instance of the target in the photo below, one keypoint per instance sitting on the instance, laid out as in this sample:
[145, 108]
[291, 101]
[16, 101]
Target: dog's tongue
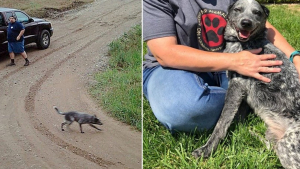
[244, 34]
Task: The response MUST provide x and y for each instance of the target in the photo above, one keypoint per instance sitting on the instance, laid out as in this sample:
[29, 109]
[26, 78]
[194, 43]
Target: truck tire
[43, 40]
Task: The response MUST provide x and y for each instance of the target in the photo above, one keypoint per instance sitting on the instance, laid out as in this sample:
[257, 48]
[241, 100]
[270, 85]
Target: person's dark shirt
[13, 31]
[199, 24]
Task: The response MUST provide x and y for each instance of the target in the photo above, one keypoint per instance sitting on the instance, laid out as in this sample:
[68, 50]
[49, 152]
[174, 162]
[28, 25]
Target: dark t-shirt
[195, 23]
[13, 31]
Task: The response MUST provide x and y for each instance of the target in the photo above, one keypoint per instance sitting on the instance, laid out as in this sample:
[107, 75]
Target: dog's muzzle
[245, 31]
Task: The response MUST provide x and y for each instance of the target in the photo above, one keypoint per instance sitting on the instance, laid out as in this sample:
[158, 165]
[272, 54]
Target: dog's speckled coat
[81, 118]
[277, 103]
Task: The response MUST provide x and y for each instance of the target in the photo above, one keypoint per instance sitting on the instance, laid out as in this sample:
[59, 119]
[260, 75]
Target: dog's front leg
[94, 127]
[234, 97]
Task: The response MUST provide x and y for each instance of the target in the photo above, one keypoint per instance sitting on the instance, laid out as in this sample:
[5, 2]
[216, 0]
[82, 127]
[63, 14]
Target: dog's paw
[201, 152]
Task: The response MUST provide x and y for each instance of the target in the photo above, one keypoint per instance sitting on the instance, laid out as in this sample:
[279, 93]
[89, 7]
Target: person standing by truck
[15, 38]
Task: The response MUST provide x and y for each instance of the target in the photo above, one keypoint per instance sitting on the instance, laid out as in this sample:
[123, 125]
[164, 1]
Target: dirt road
[30, 135]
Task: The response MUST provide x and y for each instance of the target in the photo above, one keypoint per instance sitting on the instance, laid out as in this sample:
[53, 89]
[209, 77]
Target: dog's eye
[237, 9]
[256, 12]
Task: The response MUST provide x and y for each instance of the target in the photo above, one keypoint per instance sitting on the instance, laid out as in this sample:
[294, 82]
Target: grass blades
[118, 88]
[239, 149]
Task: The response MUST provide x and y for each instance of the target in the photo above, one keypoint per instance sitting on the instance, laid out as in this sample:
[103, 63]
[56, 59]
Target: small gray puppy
[277, 103]
[81, 118]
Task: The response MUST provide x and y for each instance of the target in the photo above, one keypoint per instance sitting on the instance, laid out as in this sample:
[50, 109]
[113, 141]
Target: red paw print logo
[211, 32]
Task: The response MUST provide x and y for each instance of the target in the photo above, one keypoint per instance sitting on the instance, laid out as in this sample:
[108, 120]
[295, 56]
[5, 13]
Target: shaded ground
[30, 132]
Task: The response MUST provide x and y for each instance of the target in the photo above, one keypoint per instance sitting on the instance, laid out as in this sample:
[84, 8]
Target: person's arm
[170, 54]
[280, 42]
[20, 34]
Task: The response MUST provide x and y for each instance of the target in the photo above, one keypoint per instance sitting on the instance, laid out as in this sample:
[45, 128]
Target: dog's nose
[246, 23]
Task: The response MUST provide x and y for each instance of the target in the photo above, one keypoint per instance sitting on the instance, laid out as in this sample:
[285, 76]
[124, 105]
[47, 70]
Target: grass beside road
[119, 87]
[239, 149]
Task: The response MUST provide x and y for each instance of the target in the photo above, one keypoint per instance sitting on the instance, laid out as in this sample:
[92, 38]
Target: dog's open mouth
[244, 35]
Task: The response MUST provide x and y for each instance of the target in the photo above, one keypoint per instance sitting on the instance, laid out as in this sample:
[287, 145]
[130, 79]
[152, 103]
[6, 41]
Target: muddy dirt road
[30, 135]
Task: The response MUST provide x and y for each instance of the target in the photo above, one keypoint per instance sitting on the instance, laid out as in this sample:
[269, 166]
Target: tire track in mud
[39, 58]
[30, 109]
[98, 18]
[34, 89]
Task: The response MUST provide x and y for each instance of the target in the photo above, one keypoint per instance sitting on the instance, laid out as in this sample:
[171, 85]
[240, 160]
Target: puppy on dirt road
[81, 118]
[277, 103]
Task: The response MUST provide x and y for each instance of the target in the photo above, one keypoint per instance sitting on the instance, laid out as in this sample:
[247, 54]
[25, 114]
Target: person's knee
[183, 101]
[193, 112]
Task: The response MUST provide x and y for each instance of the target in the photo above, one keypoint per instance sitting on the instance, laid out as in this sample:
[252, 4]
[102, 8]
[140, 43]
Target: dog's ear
[266, 10]
[229, 9]
[230, 6]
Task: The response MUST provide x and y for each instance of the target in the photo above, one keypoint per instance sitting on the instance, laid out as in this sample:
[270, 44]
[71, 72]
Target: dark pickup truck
[37, 30]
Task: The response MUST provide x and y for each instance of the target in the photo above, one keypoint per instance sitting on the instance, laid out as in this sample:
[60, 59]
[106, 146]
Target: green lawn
[118, 89]
[239, 149]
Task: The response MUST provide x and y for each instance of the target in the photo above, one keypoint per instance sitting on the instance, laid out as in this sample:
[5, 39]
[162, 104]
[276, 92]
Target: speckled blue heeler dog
[277, 103]
[80, 118]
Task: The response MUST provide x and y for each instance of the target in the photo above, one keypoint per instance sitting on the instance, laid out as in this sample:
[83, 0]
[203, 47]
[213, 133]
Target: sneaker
[11, 64]
[26, 63]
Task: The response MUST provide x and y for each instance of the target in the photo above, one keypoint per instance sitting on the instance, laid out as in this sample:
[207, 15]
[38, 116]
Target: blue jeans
[185, 101]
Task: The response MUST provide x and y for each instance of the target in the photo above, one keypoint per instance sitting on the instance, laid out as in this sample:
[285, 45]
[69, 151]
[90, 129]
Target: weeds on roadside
[119, 87]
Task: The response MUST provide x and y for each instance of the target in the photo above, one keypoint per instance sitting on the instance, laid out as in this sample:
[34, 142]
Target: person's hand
[248, 63]
[18, 38]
